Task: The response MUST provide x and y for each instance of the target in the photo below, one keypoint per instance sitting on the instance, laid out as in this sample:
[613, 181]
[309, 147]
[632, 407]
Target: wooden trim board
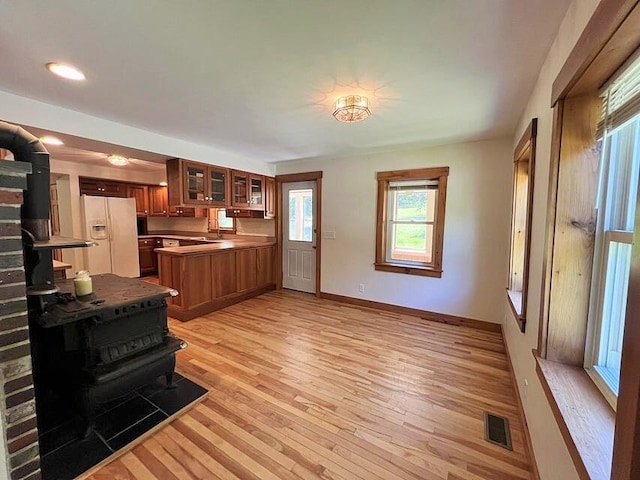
[586, 420]
[606, 20]
[299, 177]
[424, 314]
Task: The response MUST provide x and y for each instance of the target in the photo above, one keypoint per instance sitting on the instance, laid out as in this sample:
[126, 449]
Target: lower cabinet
[247, 269]
[147, 257]
[209, 281]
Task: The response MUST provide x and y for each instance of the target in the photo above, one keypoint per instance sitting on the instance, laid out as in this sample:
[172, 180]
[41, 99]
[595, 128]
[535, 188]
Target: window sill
[586, 420]
[409, 269]
[515, 302]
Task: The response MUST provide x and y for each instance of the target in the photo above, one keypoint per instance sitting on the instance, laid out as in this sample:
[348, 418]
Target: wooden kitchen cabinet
[246, 261]
[212, 278]
[218, 186]
[158, 201]
[269, 197]
[147, 257]
[265, 266]
[141, 195]
[193, 183]
[224, 271]
[239, 189]
[102, 188]
[247, 190]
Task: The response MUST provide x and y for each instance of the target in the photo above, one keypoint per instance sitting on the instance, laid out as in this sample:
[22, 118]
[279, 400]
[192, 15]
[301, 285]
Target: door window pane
[301, 215]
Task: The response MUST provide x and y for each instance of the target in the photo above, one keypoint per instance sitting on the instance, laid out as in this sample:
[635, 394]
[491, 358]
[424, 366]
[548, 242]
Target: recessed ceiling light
[163, 184]
[117, 160]
[50, 140]
[65, 71]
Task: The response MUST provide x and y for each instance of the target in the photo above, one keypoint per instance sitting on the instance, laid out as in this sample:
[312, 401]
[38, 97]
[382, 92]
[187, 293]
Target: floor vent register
[496, 430]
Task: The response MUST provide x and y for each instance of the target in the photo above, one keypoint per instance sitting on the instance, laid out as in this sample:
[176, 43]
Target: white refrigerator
[111, 223]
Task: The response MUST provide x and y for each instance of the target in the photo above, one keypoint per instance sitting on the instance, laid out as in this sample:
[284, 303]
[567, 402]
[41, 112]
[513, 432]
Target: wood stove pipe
[28, 148]
[35, 209]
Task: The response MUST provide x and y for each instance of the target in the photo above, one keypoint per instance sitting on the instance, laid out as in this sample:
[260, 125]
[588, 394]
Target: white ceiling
[259, 77]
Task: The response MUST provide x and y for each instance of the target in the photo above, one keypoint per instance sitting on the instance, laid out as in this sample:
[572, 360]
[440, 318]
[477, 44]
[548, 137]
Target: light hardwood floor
[303, 388]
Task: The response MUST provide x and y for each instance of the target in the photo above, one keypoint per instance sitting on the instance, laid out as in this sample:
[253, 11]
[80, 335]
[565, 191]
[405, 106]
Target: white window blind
[621, 97]
[414, 185]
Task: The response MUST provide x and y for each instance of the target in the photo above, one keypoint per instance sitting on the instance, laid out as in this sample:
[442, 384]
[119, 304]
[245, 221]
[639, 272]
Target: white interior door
[299, 212]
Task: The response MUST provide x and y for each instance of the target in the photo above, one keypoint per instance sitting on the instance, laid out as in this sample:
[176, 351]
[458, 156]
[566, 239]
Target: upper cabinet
[218, 179]
[247, 190]
[158, 201]
[199, 184]
[103, 188]
[192, 183]
[140, 193]
[269, 197]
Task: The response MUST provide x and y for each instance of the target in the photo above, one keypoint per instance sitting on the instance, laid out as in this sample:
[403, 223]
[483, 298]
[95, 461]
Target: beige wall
[550, 450]
[475, 239]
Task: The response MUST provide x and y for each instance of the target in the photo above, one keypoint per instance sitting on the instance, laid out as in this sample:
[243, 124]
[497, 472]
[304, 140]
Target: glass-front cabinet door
[218, 178]
[196, 187]
[240, 189]
[257, 192]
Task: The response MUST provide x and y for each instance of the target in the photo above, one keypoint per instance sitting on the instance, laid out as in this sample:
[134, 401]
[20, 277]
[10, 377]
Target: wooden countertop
[214, 246]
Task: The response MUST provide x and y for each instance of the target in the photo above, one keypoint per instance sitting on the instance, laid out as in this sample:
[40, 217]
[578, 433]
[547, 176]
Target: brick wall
[17, 402]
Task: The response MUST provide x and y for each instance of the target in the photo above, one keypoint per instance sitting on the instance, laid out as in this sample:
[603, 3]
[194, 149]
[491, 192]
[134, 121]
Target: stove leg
[169, 377]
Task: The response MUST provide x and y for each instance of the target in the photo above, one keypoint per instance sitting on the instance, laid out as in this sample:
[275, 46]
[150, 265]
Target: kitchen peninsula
[213, 275]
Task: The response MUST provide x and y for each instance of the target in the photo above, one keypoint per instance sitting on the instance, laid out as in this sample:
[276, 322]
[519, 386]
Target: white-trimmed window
[616, 206]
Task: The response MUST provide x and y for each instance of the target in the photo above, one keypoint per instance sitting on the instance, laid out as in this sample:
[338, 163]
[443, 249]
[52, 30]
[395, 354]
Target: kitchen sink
[205, 239]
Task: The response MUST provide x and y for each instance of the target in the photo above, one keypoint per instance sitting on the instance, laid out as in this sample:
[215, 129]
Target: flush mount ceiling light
[49, 140]
[352, 108]
[118, 160]
[65, 71]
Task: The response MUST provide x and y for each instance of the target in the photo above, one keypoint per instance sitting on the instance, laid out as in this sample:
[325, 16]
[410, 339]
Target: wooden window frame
[602, 444]
[214, 221]
[525, 153]
[383, 178]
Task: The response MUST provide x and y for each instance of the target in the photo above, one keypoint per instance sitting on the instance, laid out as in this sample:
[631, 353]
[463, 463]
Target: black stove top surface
[110, 293]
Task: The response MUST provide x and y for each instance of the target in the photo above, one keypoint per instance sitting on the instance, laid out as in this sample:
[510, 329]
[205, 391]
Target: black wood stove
[92, 349]
[86, 350]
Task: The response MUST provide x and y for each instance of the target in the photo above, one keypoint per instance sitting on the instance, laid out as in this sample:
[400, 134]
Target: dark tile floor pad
[64, 455]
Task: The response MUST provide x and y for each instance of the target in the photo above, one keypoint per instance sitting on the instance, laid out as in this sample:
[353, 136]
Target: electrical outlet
[361, 288]
[329, 234]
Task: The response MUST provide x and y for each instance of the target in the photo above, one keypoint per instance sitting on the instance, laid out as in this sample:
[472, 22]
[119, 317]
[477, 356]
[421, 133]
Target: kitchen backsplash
[155, 224]
[256, 226]
[244, 226]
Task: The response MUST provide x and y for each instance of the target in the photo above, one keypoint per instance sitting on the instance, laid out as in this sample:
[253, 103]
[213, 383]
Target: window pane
[613, 312]
[223, 220]
[622, 177]
[411, 243]
[301, 215]
[414, 205]
[411, 205]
